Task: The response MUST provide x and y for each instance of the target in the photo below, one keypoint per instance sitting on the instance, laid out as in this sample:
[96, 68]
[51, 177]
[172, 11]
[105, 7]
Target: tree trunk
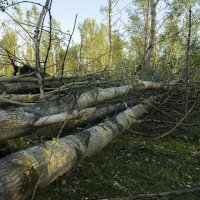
[20, 172]
[147, 25]
[20, 121]
[187, 62]
[110, 32]
[153, 5]
[85, 116]
[37, 35]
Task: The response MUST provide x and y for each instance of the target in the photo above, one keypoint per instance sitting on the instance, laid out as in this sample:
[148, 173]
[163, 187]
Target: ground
[131, 165]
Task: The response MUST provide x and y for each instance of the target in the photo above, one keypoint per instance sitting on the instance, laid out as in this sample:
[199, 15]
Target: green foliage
[9, 43]
[18, 41]
[94, 45]
[92, 52]
[171, 36]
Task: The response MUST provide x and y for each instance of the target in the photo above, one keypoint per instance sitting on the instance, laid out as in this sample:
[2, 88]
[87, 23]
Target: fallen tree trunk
[49, 126]
[20, 172]
[10, 88]
[30, 78]
[18, 122]
[17, 84]
[22, 87]
[85, 116]
[33, 98]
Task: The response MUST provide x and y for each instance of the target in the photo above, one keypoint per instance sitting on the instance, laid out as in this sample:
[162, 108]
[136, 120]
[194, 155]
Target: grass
[132, 165]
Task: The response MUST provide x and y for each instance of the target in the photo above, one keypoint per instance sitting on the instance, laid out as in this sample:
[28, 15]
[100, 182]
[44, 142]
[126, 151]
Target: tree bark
[85, 116]
[110, 31]
[37, 35]
[187, 62]
[10, 88]
[153, 5]
[20, 121]
[147, 25]
[21, 171]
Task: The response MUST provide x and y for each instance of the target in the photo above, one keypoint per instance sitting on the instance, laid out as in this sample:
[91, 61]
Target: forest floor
[133, 164]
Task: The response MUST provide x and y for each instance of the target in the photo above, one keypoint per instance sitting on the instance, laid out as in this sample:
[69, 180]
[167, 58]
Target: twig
[67, 49]
[185, 116]
[159, 194]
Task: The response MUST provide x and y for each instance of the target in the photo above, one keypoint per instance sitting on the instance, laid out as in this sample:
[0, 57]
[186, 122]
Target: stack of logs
[68, 104]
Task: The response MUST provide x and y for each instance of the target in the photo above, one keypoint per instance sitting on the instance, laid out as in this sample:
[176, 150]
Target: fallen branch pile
[67, 105]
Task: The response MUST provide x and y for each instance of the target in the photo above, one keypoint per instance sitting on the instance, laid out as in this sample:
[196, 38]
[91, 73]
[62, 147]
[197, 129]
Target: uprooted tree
[104, 103]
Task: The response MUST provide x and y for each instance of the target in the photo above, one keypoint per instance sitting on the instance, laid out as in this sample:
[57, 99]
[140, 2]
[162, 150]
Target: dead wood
[21, 171]
[16, 122]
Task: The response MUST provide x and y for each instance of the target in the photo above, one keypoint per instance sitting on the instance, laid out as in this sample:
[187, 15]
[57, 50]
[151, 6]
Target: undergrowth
[131, 165]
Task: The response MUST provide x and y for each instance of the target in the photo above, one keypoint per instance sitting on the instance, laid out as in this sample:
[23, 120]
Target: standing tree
[36, 38]
[151, 47]
[110, 3]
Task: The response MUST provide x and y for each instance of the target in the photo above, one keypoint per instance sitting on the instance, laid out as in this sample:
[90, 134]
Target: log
[20, 172]
[20, 121]
[33, 98]
[10, 88]
[85, 116]
[15, 84]
[82, 115]
[30, 78]
[49, 126]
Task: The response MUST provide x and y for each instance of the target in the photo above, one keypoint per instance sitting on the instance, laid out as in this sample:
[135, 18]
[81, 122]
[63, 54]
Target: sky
[65, 11]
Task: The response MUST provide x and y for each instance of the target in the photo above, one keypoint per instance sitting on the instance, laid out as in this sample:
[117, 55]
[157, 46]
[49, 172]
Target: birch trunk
[10, 88]
[153, 5]
[19, 122]
[86, 116]
[37, 36]
[110, 32]
[147, 25]
[21, 171]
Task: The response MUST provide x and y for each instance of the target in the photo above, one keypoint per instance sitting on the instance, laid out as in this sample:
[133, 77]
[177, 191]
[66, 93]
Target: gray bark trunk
[88, 115]
[19, 122]
[37, 35]
[110, 32]
[147, 25]
[20, 172]
[153, 5]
